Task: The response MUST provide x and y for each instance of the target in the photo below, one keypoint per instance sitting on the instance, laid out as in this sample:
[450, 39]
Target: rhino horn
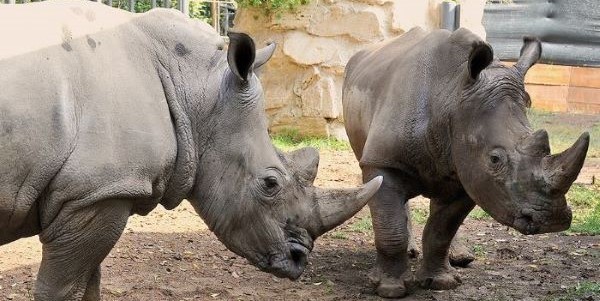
[335, 206]
[536, 144]
[561, 170]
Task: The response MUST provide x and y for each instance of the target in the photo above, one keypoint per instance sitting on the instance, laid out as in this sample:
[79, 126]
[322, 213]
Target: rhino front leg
[391, 234]
[74, 246]
[444, 219]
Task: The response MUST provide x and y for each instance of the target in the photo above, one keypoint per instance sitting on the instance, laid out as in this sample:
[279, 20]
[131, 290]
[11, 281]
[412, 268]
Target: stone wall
[303, 80]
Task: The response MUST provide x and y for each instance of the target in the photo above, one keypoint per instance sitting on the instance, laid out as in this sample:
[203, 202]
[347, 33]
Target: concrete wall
[303, 80]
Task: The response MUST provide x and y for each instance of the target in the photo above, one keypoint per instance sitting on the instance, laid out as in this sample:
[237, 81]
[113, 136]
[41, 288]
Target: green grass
[585, 202]
[478, 214]
[563, 135]
[419, 215]
[479, 251]
[586, 290]
[339, 235]
[363, 225]
[290, 139]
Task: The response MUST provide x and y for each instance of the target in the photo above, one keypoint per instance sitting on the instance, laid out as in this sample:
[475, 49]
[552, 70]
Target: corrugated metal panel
[569, 29]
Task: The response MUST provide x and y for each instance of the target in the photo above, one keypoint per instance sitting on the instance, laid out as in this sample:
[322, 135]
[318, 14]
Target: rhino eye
[270, 182]
[270, 186]
[495, 159]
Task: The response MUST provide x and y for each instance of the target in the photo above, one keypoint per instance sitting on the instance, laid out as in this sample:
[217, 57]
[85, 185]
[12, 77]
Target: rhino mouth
[528, 224]
[292, 262]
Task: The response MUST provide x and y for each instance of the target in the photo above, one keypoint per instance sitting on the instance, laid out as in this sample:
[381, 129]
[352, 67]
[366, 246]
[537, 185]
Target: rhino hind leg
[74, 246]
[391, 236]
[444, 219]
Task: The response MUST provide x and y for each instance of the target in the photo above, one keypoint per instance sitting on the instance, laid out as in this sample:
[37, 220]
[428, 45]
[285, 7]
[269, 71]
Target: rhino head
[260, 202]
[504, 166]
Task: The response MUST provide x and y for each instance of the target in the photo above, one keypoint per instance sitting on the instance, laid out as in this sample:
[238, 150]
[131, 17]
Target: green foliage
[582, 291]
[585, 202]
[273, 6]
[562, 134]
[291, 139]
[478, 214]
[363, 225]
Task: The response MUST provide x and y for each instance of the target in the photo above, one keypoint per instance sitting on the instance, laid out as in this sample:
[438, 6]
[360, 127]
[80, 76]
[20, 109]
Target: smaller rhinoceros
[105, 114]
[437, 116]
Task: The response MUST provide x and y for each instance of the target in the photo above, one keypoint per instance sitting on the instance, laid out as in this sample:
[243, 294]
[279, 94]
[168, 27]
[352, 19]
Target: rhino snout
[530, 222]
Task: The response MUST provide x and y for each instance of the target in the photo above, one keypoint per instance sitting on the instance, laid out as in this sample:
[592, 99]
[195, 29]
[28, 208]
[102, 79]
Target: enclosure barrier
[218, 13]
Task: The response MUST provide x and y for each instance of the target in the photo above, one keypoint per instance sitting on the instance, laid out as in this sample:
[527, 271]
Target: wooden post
[132, 6]
[214, 11]
[109, 3]
[12, 2]
[153, 3]
[167, 3]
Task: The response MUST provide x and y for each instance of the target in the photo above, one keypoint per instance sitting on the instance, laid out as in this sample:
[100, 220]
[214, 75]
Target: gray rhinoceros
[105, 114]
[437, 116]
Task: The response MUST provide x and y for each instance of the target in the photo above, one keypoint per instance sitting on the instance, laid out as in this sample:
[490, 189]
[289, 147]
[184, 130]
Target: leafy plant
[273, 6]
[479, 214]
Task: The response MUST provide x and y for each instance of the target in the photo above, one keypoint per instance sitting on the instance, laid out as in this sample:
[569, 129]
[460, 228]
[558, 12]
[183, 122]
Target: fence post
[109, 3]
[12, 2]
[167, 3]
[184, 7]
[132, 6]
[153, 3]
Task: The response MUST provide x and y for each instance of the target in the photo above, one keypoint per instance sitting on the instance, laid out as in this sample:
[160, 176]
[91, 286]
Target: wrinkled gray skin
[152, 112]
[437, 116]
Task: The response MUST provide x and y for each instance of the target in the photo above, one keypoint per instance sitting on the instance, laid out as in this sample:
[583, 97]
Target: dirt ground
[172, 256]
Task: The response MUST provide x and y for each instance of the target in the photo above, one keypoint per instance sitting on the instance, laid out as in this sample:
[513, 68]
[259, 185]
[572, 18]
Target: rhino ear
[530, 54]
[481, 56]
[264, 54]
[306, 162]
[240, 54]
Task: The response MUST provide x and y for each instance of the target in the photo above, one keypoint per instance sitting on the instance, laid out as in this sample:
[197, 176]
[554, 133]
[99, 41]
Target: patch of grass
[585, 202]
[478, 214]
[339, 235]
[363, 225]
[583, 195]
[419, 215]
[563, 135]
[291, 139]
[479, 250]
[586, 290]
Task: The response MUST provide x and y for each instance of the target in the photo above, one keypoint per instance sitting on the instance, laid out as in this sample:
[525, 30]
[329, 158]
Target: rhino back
[398, 98]
[83, 119]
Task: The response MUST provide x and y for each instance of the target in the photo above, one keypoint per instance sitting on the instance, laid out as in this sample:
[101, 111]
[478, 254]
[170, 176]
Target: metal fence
[218, 13]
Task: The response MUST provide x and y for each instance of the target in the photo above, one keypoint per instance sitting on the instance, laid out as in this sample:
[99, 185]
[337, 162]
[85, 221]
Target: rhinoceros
[438, 116]
[105, 114]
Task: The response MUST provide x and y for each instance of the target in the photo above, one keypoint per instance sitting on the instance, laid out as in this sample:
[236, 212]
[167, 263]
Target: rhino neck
[188, 62]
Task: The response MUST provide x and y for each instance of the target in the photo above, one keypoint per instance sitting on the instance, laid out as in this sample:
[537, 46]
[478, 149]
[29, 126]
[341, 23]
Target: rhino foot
[387, 286]
[442, 280]
[459, 255]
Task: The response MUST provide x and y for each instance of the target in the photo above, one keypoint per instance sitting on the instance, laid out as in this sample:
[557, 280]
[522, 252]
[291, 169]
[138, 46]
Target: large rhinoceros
[105, 114]
[439, 117]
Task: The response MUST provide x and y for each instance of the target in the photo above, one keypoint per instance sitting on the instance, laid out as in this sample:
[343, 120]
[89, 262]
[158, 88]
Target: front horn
[561, 170]
[335, 206]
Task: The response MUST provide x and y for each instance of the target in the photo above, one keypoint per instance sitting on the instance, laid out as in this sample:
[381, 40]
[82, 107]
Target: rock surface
[303, 81]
